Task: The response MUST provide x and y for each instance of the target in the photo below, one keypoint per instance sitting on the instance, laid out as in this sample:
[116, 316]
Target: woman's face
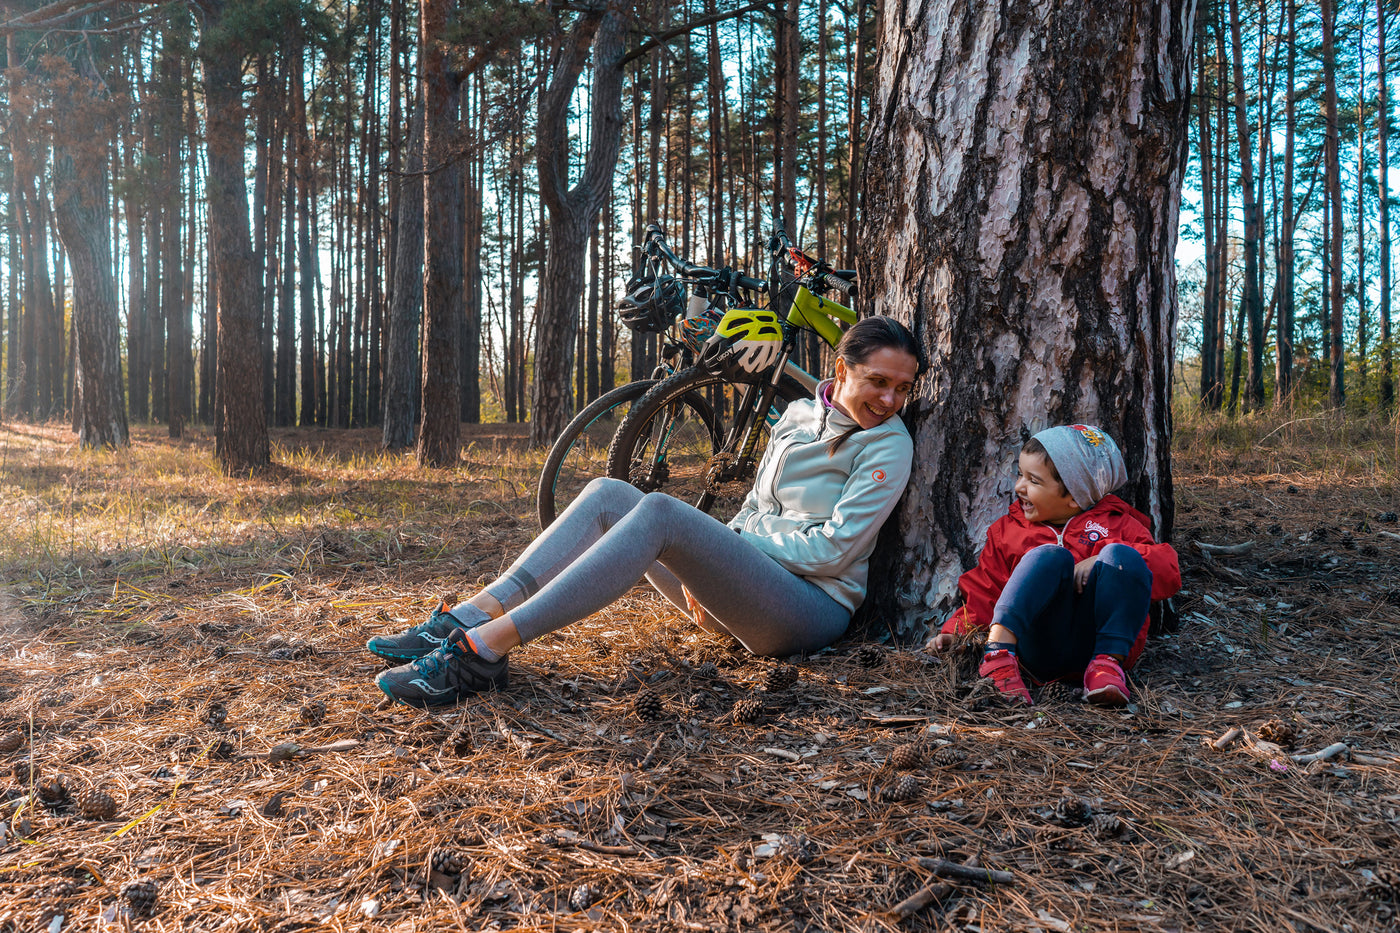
[873, 390]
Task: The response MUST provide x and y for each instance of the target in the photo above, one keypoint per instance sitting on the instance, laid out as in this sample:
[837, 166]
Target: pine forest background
[125, 228]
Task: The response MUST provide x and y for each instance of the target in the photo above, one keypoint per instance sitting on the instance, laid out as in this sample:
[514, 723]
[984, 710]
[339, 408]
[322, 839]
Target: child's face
[1043, 498]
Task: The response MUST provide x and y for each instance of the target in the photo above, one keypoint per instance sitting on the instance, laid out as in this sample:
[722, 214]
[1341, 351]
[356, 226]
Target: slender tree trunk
[473, 236]
[856, 96]
[1387, 395]
[1209, 305]
[402, 379]
[1337, 388]
[439, 428]
[242, 440]
[1362, 329]
[1283, 353]
[305, 284]
[1253, 306]
[1055, 244]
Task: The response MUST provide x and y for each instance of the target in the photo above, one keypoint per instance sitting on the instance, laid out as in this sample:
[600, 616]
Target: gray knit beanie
[1087, 460]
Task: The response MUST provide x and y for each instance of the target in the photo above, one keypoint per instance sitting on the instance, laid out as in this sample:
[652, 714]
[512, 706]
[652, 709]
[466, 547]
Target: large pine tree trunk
[439, 426]
[81, 207]
[573, 210]
[242, 441]
[1021, 198]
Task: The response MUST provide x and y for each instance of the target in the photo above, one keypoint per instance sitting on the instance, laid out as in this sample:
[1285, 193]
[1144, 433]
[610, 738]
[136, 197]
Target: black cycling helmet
[650, 305]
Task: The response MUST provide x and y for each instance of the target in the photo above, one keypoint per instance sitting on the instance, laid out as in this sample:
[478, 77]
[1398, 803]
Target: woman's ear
[839, 374]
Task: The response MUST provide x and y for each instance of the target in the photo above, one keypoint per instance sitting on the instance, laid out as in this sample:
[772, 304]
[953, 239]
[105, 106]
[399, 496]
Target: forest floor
[166, 632]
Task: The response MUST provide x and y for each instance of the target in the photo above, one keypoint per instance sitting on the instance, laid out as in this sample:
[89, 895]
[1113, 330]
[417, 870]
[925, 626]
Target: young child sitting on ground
[1067, 576]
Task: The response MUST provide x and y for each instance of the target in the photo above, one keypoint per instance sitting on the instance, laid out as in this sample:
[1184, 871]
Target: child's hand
[1081, 572]
[940, 642]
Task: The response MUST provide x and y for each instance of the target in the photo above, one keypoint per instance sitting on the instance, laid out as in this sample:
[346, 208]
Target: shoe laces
[432, 662]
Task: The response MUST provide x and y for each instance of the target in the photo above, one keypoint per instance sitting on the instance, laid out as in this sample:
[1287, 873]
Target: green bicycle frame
[819, 314]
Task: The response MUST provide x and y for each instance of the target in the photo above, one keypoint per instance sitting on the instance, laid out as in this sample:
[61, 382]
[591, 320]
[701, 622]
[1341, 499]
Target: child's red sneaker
[1104, 683]
[1004, 670]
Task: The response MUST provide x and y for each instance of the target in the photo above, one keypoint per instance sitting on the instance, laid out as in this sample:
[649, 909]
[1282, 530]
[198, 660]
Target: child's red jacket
[1110, 521]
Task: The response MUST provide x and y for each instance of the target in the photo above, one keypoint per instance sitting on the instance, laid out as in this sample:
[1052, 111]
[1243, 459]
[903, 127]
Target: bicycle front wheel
[581, 452]
[662, 447]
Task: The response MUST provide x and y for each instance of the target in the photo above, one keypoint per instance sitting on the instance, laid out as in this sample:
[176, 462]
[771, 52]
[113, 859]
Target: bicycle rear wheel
[659, 447]
[581, 451]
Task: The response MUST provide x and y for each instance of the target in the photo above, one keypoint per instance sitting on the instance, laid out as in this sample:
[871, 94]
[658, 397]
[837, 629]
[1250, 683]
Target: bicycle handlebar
[656, 238]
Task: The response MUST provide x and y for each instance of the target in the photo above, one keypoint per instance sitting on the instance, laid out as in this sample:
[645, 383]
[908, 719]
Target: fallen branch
[1331, 751]
[1228, 739]
[947, 869]
[935, 891]
[286, 751]
[1224, 550]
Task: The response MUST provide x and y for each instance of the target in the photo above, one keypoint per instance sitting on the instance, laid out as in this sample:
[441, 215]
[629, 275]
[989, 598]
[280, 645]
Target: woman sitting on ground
[786, 583]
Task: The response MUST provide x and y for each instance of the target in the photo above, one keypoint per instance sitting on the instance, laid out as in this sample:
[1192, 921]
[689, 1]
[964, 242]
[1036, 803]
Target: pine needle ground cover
[190, 739]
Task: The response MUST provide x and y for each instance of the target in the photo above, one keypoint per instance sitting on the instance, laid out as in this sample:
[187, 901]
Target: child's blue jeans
[1059, 631]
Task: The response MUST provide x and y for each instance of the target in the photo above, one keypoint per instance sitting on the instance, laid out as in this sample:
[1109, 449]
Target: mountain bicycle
[659, 447]
[655, 301]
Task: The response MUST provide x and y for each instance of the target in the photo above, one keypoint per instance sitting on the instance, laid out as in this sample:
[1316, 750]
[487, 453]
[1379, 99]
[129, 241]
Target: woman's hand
[697, 611]
[1081, 572]
[940, 642]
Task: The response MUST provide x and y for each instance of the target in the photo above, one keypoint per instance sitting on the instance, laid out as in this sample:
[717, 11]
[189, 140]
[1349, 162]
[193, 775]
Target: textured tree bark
[439, 431]
[1021, 196]
[1253, 305]
[573, 210]
[1337, 393]
[1283, 350]
[241, 435]
[402, 371]
[81, 206]
[1383, 209]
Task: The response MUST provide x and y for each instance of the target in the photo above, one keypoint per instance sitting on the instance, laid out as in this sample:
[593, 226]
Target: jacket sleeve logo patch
[878, 475]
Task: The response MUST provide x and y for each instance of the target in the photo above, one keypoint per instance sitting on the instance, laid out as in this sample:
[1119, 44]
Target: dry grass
[143, 588]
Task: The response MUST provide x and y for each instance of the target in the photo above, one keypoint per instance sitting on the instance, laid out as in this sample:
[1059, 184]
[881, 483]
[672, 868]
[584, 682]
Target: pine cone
[216, 714]
[141, 896]
[222, 750]
[709, 670]
[749, 709]
[53, 791]
[11, 741]
[313, 712]
[582, 897]
[907, 787]
[1106, 825]
[1072, 811]
[60, 888]
[1279, 731]
[648, 706]
[460, 741]
[97, 805]
[25, 771]
[949, 756]
[449, 862]
[1058, 691]
[868, 655]
[796, 847]
[907, 757]
[779, 678]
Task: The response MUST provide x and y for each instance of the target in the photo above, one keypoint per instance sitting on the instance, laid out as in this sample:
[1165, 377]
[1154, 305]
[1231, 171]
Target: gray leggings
[613, 535]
